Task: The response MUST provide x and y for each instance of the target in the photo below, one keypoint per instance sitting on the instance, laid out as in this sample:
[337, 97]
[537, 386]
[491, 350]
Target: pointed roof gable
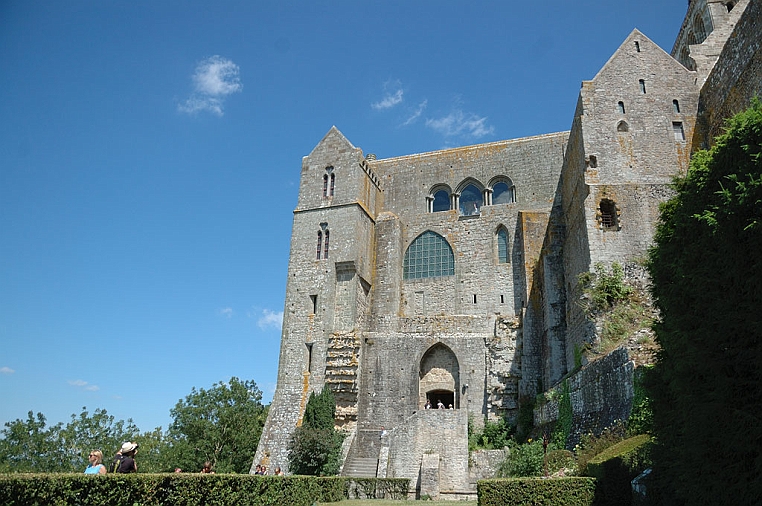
[638, 42]
[334, 137]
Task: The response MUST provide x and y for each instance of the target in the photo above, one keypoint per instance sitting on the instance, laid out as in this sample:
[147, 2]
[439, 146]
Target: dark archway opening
[447, 398]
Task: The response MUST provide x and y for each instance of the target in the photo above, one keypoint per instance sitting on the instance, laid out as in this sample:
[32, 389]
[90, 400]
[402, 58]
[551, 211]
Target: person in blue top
[96, 463]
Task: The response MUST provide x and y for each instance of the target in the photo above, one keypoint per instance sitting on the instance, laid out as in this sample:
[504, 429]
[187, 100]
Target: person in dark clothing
[126, 458]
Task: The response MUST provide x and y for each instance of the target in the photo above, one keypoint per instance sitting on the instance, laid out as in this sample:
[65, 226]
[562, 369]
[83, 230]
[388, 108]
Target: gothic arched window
[428, 256]
[502, 193]
[470, 200]
[441, 201]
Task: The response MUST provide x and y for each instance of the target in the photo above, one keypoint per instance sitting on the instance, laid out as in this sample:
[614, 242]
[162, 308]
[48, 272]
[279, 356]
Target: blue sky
[150, 155]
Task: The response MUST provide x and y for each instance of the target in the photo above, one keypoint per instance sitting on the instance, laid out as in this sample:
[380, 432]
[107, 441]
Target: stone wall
[601, 394]
[737, 76]
[440, 432]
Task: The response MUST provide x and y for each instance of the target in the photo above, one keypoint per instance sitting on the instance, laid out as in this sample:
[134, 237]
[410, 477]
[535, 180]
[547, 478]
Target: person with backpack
[124, 461]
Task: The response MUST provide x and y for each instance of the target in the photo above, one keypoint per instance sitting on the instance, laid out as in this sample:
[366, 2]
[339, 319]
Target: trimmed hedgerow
[616, 466]
[169, 489]
[576, 491]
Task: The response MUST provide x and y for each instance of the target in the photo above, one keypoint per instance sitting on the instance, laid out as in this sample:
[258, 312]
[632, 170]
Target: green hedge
[378, 488]
[615, 467]
[575, 491]
[171, 489]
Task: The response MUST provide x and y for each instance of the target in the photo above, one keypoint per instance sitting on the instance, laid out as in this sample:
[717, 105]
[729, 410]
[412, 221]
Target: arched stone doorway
[439, 377]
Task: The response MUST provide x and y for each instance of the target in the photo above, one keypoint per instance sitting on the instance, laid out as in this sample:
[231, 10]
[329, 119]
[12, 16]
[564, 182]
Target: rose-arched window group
[471, 195]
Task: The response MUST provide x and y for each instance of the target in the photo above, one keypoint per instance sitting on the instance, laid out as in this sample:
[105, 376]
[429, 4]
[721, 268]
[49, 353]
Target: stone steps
[361, 467]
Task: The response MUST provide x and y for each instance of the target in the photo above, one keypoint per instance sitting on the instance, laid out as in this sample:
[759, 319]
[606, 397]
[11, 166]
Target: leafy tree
[315, 447]
[221, 425]
[28, 446]
[706, 268]
[96, 431]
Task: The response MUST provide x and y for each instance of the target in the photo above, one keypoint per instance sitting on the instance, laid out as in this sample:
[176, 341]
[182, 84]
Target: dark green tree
[221, 425]
[706, 267]
[315, 447]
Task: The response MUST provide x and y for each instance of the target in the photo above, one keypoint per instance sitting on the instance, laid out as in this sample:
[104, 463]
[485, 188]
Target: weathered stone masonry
[452, 275]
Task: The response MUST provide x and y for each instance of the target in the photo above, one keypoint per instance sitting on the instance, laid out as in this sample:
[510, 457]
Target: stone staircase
[362, 459]
[360, 467]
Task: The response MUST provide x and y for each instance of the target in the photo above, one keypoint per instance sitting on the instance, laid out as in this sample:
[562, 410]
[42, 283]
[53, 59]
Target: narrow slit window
[333, 184]
[642, 85]
[637, 46]
[676, 106]
[502, 299]
[677, 128]
[621, 107]
[314, 299]
[474, 298]
[325, 185]
[319, 244]
[502, 246]
[309, 357]
[325, 249]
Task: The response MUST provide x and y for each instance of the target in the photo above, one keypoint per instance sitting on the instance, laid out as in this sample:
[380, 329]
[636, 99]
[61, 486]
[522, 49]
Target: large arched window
[502, 245]
[470, 200]
[428, 256]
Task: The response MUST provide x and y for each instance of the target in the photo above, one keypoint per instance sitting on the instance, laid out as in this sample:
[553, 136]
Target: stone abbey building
[451, 276]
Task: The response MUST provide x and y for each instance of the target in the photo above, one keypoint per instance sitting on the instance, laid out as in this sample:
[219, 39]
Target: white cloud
[84, 385]
[227, 312]
[388, 101]
[6, 370]
[460, 123]
[417, 113]
[392, 96]
[270, 319]
[214, 79]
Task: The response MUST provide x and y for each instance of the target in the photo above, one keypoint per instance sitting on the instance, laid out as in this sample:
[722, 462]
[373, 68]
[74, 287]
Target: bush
[177, 489]
[567, 491]
[315, 447]
[591, 445]
[706, 271]
[524, 460]
[494, 435]
[615, 468]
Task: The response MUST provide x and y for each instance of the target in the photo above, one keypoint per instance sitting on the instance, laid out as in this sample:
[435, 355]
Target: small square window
[677, 128]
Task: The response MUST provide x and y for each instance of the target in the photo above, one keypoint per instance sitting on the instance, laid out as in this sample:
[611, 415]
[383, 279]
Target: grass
[388, 502]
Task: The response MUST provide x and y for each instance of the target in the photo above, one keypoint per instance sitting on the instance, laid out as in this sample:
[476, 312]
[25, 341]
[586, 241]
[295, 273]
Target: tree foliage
[221, 425]
[706, 268]
[32, 446]
[315, 447]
